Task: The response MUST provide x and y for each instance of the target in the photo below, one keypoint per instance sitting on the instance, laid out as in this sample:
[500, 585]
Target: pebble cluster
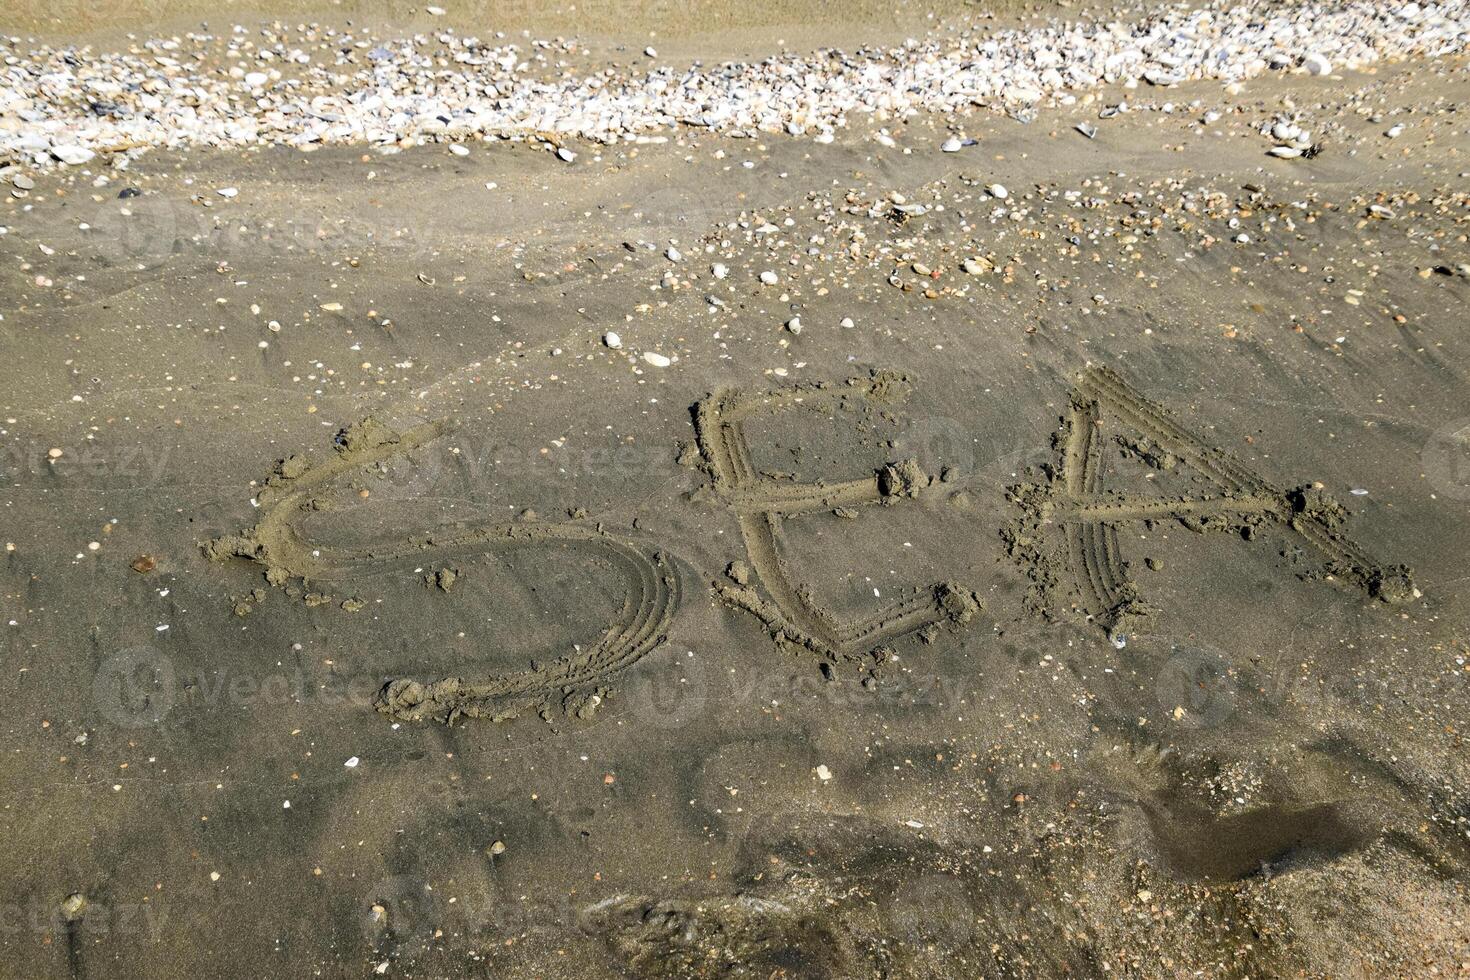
[316, 85]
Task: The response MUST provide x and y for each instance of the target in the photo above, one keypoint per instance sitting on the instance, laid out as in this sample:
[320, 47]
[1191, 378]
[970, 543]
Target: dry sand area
[1002, 532]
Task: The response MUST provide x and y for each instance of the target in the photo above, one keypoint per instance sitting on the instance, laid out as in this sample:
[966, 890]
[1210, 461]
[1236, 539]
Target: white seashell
[612, 340]
[952, 145]
[565, 155]
[998, 191]
[1285, 152]
[73, 156]
[657, 360]
[770, 278]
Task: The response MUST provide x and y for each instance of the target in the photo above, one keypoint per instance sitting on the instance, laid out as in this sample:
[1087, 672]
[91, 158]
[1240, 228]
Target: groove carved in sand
[574, 684]
[762, 505]
[1073, 505]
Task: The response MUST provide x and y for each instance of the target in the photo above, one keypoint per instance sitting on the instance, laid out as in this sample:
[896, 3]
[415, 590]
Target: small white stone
[73, 156]
[719, 270]
[952, 145]
[352, 762]
[1317, 64]
[459, 149]
[794, 324]
[673, 254]
[823, 773]
[657, 360]
[255, 79]
[1285, 152]
[565, 155]
[998, 191]
[650, 52]
[228, 192]
[846, 323]
[770, 278]
[612, 340]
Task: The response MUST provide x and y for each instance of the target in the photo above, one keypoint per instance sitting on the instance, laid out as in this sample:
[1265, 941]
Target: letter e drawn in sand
[763, 504]
[572, 685]
[1069, 520]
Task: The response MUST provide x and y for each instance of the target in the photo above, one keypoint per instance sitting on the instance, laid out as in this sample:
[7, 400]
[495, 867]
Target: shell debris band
[59, 104]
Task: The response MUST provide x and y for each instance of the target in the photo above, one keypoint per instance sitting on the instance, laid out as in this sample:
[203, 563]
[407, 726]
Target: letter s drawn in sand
[574, 684]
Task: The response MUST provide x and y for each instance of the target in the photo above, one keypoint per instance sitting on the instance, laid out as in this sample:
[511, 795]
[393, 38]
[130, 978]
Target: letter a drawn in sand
[1072, 505]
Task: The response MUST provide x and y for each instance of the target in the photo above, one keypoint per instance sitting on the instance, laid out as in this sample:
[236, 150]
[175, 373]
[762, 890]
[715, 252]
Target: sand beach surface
[686, 490]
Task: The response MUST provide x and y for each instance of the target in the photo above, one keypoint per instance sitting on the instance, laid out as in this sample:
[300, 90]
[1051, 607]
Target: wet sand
[1094, 608]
